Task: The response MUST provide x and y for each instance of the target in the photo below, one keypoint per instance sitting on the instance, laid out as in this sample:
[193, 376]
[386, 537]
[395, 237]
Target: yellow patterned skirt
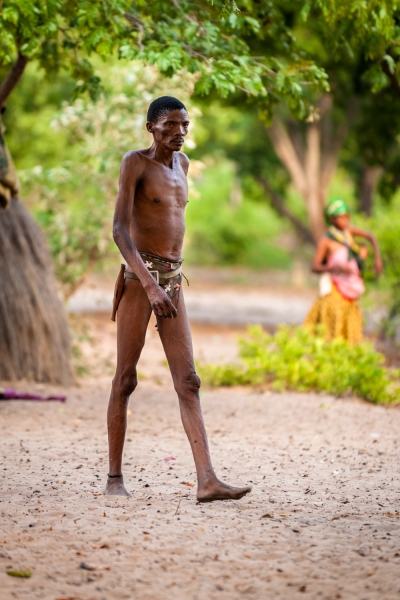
[342, 318]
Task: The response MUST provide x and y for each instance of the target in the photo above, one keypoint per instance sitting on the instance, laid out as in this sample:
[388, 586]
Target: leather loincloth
[167, 274]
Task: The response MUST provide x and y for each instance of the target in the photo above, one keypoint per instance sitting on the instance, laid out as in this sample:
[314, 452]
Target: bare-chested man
[149, 226]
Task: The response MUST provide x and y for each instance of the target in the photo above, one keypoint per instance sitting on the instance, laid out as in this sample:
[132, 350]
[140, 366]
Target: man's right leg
[132, 319]
[177, 341]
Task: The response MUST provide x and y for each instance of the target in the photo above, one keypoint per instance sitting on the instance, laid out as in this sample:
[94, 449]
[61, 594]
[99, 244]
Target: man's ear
[149, 126]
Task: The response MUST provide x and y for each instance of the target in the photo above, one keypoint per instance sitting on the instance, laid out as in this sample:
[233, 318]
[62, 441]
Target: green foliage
[386, 227]
[30, 110]
[371, 26]
[233, 129]
[293, 359]
[227, 227]
[62, 35]
[209, 40]
[77, 228]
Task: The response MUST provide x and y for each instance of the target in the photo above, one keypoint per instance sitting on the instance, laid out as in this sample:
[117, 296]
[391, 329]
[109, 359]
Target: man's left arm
[367, 235]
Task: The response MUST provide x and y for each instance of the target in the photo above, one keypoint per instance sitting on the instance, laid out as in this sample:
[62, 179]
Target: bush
[293, 359]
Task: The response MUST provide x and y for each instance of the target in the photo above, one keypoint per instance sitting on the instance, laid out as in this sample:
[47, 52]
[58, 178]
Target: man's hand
[161, 304]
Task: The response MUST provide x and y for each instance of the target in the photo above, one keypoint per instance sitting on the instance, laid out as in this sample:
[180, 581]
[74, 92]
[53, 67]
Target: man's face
[341, 222]
[170, 129]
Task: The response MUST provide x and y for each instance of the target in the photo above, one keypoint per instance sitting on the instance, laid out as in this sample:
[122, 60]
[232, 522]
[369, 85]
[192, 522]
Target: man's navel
[156, 200]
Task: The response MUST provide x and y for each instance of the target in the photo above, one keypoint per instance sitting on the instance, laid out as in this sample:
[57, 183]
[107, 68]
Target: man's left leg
[177, 342]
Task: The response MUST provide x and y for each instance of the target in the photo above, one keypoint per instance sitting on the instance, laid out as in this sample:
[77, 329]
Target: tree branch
[134, 20]
[12, 78]
[312, 169]
[139, 25]
[279, 205]
[295, 134]
[391, 76]
[286, 151]
[369, 180]
[330, 156]
[193, 52]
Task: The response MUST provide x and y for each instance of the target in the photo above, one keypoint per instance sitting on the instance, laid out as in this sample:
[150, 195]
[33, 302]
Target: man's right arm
[130, 174]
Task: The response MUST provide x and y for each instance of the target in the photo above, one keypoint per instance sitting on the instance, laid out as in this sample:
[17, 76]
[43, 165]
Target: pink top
[351, 285]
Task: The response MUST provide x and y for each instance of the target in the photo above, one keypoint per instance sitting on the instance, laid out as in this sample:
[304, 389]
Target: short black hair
[162, 105]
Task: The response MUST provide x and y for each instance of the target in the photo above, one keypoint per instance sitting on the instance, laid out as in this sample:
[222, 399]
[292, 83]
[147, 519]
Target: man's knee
[188, 385]
[125, 385]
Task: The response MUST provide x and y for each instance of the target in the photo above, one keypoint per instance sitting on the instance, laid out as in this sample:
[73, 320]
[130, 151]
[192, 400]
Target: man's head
[168, 121]
[337, 213]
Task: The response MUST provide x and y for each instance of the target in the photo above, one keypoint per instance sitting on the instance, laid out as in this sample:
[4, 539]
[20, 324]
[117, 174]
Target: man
[149, 226]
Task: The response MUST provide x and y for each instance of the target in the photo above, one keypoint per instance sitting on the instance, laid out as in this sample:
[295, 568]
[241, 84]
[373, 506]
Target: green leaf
[390, 62]
[23, 574]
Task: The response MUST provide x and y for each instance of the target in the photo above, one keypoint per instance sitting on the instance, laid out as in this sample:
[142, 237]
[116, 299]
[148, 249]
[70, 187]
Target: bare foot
[216, 490]
[115, 487]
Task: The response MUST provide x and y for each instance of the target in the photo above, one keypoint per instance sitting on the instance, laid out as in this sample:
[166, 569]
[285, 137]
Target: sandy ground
[322, 521]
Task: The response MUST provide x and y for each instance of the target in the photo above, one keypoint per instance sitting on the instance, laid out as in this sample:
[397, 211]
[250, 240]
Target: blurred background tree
[302, 103]
[205, 40]
[348, 142]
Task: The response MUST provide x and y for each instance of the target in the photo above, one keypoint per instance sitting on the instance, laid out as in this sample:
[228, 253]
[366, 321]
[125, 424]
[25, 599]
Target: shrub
[294, 359]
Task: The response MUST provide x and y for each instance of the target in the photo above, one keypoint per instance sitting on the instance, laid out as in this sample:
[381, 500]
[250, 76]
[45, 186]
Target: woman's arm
[319, 262]
[320, 256]
[367, 235]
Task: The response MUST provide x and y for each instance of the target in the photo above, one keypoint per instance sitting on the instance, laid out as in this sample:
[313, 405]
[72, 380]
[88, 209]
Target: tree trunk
[311, 164]
[14, 75]
[34, 338]
[314, 192]
[279, 205]
[369, 180]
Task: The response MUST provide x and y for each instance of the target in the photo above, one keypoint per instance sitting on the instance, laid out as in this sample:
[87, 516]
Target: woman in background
[340, 261]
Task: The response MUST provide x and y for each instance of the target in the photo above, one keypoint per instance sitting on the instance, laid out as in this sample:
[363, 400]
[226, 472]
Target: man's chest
[163, 186]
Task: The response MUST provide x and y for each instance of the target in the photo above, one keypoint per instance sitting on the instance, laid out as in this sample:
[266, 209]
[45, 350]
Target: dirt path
[214, 302]
[322, 522]
[232, 302]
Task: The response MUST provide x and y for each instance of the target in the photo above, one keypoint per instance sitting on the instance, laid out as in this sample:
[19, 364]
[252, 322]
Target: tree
[371, 153]
[369, 29]
[308, 147]
[233, 127]
[371, 32]
[208, 40]
[310, 157]
[357, 45]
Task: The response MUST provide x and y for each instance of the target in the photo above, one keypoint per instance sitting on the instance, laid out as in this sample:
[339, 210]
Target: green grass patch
[293, 359]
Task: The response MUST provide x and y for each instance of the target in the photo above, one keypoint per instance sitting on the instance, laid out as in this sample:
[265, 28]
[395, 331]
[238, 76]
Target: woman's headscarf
[335, 208]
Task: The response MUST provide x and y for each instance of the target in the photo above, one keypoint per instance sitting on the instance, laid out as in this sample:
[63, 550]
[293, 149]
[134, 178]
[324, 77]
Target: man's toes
[244, 491]
[224, 492]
